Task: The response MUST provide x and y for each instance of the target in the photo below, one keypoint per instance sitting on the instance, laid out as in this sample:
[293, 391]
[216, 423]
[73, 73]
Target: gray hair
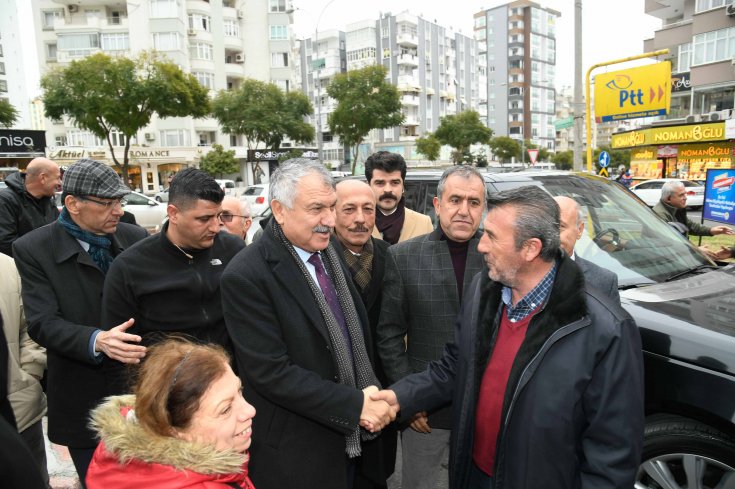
[537, 216]
[669, 188]
[463, 171]
[290, 172]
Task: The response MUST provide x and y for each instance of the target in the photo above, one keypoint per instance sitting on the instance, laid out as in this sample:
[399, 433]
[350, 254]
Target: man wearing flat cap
[62, 267]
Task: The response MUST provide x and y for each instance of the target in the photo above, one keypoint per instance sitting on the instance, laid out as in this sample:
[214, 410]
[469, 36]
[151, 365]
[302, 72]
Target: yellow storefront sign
[644, 91]
[695, 133]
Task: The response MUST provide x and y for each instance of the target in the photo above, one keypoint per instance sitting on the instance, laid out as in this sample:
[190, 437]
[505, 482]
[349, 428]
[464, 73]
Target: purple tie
[325, 283]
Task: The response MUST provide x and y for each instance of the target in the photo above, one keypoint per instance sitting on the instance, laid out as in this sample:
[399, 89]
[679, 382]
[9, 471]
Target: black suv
[684, 306]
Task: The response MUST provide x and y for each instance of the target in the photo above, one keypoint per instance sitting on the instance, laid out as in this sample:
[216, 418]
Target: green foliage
[101, 94]
[264, 114]
[429, 146]
[481, 159]
[8, 113]
[365, 101]
[219, 162]
[504, 148]
[564, 160]
[461, 131]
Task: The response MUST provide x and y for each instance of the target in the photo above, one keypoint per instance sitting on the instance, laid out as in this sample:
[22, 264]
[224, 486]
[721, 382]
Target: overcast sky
[611, 30]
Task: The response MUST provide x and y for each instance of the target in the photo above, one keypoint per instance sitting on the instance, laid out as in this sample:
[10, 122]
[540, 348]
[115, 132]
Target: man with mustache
[302, 343]
[422, 294]
[170, 283]
[385, 173]
[364, 256]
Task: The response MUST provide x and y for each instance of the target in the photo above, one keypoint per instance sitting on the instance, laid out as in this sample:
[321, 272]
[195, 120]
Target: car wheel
[683, 453]
[159, 199]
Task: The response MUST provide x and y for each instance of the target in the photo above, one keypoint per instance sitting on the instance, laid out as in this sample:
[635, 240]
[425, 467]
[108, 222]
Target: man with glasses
[28, 201]
[170, 282]
[62, 267]
[235, 217]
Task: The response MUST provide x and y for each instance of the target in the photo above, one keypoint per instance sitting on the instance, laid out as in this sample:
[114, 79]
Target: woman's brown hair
[173, 378]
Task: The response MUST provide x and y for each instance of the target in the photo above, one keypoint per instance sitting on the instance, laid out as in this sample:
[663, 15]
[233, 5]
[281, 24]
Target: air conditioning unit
[73, 9]
[239, 58]
[714, 116]
[192, 32]
[704, 118]
[150, 136]
[730, 10]
[240, 14]
[690, 119]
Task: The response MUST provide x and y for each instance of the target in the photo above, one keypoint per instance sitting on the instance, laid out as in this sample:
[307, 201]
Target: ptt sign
[636, 92]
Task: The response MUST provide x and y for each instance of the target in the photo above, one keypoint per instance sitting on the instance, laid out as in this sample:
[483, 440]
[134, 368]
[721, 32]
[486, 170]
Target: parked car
[161, 196]
[650, 191]
[147, 211]
[257, 197]
[684, 306]
[227, 185]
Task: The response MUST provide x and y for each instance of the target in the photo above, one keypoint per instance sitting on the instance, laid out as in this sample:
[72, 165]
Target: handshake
[379, 408]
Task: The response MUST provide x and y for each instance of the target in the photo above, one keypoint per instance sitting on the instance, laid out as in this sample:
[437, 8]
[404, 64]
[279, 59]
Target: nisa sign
[19, 141]
[644, 91]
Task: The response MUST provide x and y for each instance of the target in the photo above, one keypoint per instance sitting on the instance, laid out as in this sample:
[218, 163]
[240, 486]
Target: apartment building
[436, 70]
[518, 43]
[221, 42]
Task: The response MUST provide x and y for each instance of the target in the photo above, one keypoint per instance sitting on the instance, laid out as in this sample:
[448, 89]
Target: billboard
[644, 91]
[719, 196]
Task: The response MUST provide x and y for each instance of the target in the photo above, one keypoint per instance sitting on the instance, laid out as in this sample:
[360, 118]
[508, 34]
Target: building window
[48, 17]
[2, 68]
[278, 32]
[279, 60]
[703, 5]
[276, 5]
[3, 86]
[282, 84]
[684, 60]
[200, 50]
[166, 41]
[115, 41]
[51, 51]
[164, 8]
[231, 28]
[200, 22]
[76, 137]
[174, 137]
[79, 45]
[714, 46]
[205, 79]
[60, 140]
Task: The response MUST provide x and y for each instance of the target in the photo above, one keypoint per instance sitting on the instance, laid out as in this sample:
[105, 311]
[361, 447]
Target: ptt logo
[622, 83]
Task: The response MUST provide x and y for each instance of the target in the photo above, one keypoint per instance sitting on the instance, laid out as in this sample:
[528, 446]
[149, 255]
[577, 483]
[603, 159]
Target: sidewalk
[60, 467]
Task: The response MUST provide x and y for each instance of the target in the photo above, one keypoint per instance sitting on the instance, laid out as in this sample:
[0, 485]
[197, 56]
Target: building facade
[518, 43]
[220, 42]
[435, 69]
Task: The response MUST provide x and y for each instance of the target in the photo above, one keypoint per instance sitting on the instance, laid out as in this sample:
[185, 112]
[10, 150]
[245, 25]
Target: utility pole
[578, 101]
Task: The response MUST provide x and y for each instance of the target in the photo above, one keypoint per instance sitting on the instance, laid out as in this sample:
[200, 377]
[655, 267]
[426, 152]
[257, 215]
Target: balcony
[407, 39]
[408, 59]
[411, 120]
[412, 100]
[90, 24]
[235, 70]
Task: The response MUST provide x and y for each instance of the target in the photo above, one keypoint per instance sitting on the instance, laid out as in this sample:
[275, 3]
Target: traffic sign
[604, 159]
[532, 155]
[603, 172]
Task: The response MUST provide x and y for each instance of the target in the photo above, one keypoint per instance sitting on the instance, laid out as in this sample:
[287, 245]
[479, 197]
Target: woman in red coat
[187, 426]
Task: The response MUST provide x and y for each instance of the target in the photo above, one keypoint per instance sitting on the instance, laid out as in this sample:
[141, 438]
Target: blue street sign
[719, 196]
[604, 159]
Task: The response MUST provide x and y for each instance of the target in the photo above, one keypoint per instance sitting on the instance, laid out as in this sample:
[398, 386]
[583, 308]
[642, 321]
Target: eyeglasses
[106, 204]
[228, 217]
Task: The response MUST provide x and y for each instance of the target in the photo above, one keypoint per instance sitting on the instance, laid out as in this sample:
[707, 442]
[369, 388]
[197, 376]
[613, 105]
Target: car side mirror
[679, 227]
[152, 203]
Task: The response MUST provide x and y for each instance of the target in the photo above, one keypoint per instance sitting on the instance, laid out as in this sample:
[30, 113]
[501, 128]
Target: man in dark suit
[422, 294]
[302, 342]
[572, 227]
[364, 256]
[62, 267]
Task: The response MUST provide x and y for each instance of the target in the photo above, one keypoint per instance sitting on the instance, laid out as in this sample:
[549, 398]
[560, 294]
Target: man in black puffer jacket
[545, 374]
[28, 201]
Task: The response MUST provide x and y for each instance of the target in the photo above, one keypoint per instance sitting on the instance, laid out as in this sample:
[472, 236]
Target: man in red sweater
[545, 374]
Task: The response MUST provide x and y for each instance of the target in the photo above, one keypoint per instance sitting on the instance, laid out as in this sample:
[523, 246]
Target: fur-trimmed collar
[128, 440]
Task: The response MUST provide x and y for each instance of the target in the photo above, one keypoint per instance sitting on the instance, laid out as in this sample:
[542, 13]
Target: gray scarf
[362, 375]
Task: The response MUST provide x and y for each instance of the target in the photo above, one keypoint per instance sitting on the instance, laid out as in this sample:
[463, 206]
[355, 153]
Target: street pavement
[62, 474]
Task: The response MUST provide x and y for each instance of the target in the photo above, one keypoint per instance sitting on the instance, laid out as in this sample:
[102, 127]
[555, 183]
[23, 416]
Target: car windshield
[253, 191]
[621, 234]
